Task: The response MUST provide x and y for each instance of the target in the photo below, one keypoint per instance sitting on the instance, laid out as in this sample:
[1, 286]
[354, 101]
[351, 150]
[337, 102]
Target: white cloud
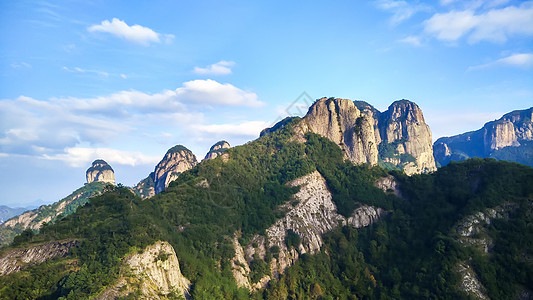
[46, 127]
[78, 157]
[21, 65]
[246, 128]
[495, 25]
[412, 40]
[220, 68]
[212, 92]
[135, 33]
[521, 60]
[80, 70]
[401, 10]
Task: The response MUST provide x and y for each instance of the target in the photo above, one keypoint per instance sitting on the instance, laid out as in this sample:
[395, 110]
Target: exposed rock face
[217, 149]
[35, 218]
[146, 187]
[470, 283]
[472, 229]
[177, 160]
[389, 184]
[155, 273]
[398, 137]
[14, 260]
[100, 171]
[310, 214]
[496, 139]
[403, 128]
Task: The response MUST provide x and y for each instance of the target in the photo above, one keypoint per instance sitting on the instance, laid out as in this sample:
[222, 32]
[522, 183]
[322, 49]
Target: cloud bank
[78, 130]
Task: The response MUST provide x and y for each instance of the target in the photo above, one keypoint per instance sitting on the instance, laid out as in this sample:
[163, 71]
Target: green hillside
[411, 254]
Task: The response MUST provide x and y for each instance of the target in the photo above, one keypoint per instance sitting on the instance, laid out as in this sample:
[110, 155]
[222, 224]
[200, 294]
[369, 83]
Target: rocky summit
[217, 149]
[508, 138]
[177, 160]
[100, 171]
[396, 138]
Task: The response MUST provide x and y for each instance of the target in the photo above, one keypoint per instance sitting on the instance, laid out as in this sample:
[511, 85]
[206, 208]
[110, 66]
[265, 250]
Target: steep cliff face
[309, 215]
[154, 274]
[508, 138]
[344, 124]
[35, 218]
[217, 149]
[406, 138]
[100, 171]
[397, 138]
[14, 260]
[177, 160]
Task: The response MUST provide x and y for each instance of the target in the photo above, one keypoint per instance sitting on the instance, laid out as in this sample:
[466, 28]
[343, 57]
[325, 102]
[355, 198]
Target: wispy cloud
[90, 71]
[495, 25]
[412, 40]
[79, 156]
[521, 60]
[80, 70]
[21, 65]
[246, 128]
[401, 10]
[135, 33]
[220, 68]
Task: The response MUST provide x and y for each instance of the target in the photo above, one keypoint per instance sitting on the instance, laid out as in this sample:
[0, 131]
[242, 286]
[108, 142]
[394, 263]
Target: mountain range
[345, 202]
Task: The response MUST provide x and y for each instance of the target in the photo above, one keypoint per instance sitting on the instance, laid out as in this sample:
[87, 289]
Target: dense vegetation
[77, 198]
[410, 254]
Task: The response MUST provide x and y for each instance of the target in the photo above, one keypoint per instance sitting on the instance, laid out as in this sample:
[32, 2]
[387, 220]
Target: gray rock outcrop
[155, 274]
[14, 260]
[310, 214]
[508, 138]
[217, 149]
[100, 171]
[396, 138]
[177, 160]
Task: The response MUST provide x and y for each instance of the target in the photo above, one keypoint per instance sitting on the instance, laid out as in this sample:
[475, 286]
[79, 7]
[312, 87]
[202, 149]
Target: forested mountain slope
[414, 250]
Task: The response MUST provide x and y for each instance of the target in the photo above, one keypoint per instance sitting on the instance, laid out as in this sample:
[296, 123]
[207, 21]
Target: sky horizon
[125, 81]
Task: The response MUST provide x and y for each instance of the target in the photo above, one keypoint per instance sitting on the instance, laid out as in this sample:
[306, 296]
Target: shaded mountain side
[211, 209]
[8, 212]
[34, 219]
[508, 138]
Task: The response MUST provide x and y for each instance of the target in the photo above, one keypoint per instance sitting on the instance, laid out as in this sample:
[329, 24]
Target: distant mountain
[99, 175]
[508, 138]
[8, 212]
[177, 160]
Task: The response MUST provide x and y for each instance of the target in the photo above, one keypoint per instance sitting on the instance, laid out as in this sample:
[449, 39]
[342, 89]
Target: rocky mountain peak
[177, 160]
[508, 138]
[404, 109]
[217, 149]
[100, 171]
[396, 138]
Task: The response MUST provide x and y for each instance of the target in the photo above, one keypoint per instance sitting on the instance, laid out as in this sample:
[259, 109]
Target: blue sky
[126, 80]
